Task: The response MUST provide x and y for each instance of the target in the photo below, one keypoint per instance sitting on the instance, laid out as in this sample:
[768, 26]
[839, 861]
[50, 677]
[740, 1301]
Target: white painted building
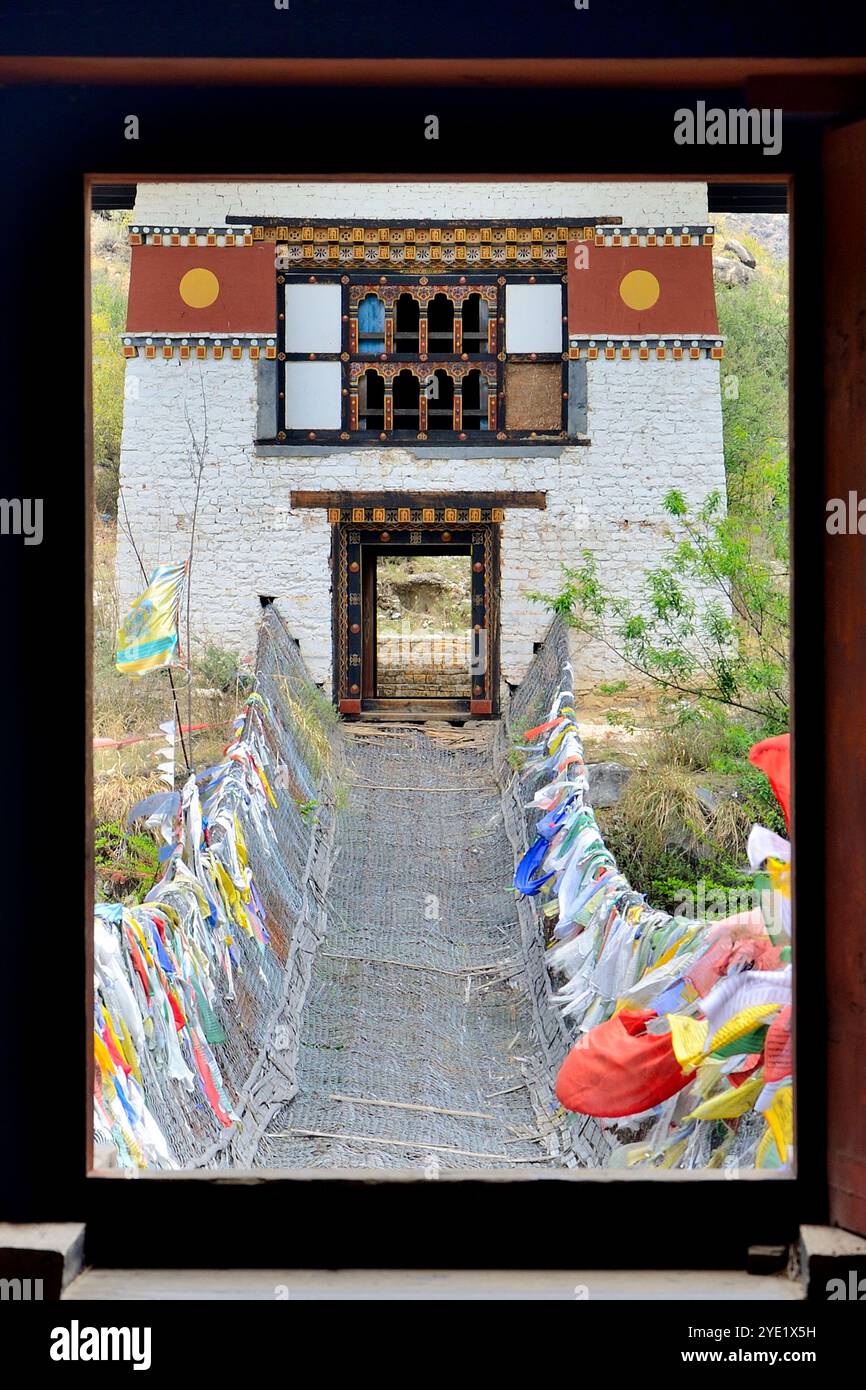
[641, 410]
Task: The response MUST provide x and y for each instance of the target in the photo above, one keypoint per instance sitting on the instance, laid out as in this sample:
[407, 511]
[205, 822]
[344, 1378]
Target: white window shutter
[313, 395]
[313, 318]
[533, 318]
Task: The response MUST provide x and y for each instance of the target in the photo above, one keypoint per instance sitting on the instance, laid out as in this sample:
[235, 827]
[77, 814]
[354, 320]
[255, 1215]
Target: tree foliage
[108, 310]
[753, 319]
[730, 644]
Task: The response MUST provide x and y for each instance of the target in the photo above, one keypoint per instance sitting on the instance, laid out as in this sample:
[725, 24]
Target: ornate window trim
[355, 362]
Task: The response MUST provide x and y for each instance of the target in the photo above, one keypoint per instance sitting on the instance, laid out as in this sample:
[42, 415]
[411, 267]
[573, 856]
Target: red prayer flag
[619, 1068]
[773, 757]
[779, 1060]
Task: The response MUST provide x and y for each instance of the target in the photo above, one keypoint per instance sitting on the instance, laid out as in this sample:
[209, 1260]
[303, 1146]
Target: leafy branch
[729, 646]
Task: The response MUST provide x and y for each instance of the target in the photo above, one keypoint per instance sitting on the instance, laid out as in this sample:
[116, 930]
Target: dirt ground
[608, 741]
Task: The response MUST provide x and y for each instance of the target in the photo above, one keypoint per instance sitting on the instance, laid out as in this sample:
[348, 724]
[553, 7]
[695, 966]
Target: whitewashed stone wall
[652, 425]
[207, 204]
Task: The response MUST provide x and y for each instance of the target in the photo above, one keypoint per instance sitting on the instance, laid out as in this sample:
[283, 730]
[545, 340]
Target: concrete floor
[429, 1285]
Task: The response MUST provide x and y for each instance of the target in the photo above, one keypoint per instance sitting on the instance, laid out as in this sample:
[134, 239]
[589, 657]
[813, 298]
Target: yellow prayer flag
[688, 1036]
[780, 1117]
[728, 1104]
[147, 640]
[742, 1023]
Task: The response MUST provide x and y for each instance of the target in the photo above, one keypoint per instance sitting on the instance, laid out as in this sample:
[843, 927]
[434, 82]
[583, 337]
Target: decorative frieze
[191, 236]
[422, 370]
[413, 516]
[184, 349]
[481, 245]
[643, 349]
[389, 294]
[614, 235]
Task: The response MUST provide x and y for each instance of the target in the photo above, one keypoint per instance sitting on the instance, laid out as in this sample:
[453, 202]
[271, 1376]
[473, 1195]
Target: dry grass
[109, 246]
[313, 719]
[729, 827]
[115, 791]
[690, 744]
[123, 706]
[658, 805]
[660, 811]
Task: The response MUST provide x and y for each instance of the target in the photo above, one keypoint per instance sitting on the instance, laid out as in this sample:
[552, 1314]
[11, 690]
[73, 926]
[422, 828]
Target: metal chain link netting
[239, 1013]
[582, 1136]
[291, 865]
[400, 1015]
[427, 1036]
[340, 973]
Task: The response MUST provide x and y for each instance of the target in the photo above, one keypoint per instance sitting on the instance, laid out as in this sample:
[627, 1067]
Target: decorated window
[439, 389]
[407, 323]
[441, 358]
[474, 401]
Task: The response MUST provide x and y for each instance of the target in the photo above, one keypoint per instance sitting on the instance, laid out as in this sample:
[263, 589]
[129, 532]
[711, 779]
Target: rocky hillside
[769, 229]
[746, 241]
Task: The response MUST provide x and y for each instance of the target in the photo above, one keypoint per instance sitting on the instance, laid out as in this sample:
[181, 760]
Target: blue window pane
[371, 325]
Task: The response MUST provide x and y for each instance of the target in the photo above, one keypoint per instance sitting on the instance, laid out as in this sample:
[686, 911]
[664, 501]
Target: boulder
[740, 252]
[709, 799]
[420, 591]
[607, 782]
[729, 271]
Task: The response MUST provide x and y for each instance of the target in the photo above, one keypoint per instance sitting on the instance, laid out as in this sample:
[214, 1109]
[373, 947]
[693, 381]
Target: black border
[64, 134]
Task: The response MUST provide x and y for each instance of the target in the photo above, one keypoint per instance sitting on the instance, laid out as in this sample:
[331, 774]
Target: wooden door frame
[354, 545]
[369, 623]
[844, 652]
[383, 1213]
[127, 1220]
[371, 554]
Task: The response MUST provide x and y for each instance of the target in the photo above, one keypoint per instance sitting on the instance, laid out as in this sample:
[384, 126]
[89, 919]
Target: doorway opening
[423, 624]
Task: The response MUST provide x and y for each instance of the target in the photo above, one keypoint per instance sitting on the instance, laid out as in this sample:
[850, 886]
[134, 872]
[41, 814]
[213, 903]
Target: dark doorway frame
[355, 546]
[700, 1218]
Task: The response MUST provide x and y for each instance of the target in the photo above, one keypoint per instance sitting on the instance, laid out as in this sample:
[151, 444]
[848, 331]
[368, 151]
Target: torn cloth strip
[620, 1069]
[773, 757]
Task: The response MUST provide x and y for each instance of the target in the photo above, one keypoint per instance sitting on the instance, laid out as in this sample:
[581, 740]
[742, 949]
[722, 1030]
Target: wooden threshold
[430, 708]
[414, 711]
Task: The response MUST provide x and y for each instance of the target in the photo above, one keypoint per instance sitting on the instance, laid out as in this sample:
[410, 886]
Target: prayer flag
[147, 640]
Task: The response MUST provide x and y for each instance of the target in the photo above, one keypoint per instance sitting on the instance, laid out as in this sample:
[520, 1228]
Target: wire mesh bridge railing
[399, 1013]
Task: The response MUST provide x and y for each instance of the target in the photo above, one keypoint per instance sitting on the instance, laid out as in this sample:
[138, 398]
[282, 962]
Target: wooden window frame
[492, 364]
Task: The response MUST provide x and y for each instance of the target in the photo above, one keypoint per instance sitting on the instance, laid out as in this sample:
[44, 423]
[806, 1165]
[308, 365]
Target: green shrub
[126, 863]
[675, 881]
[218, 668]
[108, 312]
[708, 740]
